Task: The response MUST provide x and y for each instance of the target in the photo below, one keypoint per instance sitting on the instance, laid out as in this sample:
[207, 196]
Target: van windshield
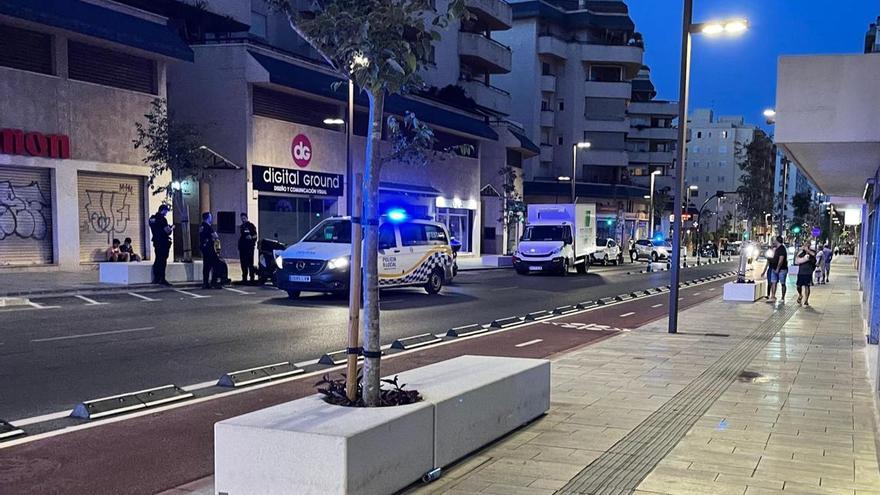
[545, 233]
[332, 231]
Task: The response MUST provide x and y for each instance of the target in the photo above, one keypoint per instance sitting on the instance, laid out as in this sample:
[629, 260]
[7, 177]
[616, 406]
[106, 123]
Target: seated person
[114, 253]
[128, 249]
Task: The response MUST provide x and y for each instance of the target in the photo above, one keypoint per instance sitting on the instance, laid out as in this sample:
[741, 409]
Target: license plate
[536, 268]
[300, 278]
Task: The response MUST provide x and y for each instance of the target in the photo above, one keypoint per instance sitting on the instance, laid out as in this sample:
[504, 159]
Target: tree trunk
[372, 169]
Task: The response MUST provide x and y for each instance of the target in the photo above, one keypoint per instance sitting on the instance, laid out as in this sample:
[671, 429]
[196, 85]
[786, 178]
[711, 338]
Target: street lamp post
[560, 179]
[687, 27]
[651, 210]
[574, 155]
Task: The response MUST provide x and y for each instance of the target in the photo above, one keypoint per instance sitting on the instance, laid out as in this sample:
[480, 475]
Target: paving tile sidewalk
[799, 421]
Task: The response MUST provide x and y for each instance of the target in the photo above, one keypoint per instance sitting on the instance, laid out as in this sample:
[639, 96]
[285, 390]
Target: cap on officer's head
[163, 207]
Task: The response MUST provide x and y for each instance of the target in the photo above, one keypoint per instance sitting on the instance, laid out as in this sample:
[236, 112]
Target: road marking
[200, 386]
[193, 295]
[90, 302]
[696, 293]
[42, 418]
[713, 288]
[40, 306]
[145, 298]
[504, 288]
[657, 305]
[531, 342]
[95, 334]
[627, 314]
[237, 291]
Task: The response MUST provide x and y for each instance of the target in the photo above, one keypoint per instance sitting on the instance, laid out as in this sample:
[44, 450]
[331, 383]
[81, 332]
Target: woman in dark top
[806, 262]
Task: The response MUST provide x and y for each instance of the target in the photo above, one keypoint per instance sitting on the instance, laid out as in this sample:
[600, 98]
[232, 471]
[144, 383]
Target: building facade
[713, 163]
[574, 63]
[872, 37]
[75, 76]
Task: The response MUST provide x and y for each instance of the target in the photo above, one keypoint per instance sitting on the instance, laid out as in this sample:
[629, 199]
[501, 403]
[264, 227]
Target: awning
[410, 189]
[92, 20]
[526, 145]
[320, 83]
[584, 190]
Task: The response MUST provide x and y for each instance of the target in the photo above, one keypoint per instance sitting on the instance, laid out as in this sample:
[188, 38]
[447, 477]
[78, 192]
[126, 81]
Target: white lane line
[139, 296]
[89, 301]
[531, 342]
[200, 386]
[713, 288]
[627, 314]
[237, 291]
[504, 288]
[657, 305]
[95, 334]
[696, 293]
[40, 306]
[191, 294]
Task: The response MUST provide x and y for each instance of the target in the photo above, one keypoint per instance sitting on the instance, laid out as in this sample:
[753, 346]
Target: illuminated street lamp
[729, 27]
[574, 153]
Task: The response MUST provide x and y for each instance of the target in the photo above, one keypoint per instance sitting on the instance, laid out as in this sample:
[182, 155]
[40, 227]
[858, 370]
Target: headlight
[338, 263]
[279, 262]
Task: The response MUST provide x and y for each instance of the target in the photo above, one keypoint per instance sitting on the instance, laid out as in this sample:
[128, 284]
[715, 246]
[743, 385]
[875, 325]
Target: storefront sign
[301, 150]
[292, 181]
[19, 142]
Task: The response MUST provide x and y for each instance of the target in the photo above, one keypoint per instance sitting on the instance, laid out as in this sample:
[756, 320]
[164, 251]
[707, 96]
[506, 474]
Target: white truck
[557, 238]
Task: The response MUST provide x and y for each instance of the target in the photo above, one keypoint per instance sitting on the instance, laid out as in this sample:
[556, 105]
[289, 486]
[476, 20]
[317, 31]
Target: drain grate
[628, 462]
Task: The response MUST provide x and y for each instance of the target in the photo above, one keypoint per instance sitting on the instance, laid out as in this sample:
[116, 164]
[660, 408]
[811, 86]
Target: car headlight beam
[338, 263]
[279, 262]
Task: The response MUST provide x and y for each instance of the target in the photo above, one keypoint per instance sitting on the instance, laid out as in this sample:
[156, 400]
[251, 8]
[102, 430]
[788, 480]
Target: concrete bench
[142, 272]
[309, 447]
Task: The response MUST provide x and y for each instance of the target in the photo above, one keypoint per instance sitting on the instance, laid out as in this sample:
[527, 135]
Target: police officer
[247, 241]
[161, 233]
[210, 260]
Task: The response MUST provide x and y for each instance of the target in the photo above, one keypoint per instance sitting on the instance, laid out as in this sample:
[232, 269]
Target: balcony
[598, 89]
[653, 108]
[484, 53]
[650, 157]
[612, 158]
[630, 56]
[548, 118]
[546, 153]
[552, 46]
[497, 15]
[487, 96]
[656, 133]
[548, 84]
[605, 124]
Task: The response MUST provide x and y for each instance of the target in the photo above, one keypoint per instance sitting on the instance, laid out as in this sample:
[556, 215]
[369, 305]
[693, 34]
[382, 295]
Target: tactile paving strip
[628, 462]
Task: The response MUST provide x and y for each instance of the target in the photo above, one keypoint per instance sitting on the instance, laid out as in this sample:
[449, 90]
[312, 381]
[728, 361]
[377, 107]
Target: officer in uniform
[161, 232]
[210, 261]
[247, 241]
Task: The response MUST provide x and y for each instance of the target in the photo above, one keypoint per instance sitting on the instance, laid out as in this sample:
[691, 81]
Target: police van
[412, 253]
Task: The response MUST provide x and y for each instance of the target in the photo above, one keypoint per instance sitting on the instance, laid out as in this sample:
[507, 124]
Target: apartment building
[651, 140]
[574, 64]
[75, 76]
[872, 37]
[259, 96]
[712, 162]
[789, 180]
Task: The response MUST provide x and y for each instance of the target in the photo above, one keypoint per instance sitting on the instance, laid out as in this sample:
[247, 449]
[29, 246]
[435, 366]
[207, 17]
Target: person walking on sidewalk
[210, 261]
[806, 262]
[161, 233]
[778, 266]
[247, 241]
[827, 254]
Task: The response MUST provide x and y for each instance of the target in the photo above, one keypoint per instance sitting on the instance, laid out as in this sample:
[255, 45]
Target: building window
[708, 149]
[699, 135]
[560, 105]
[559, 140]
[696, 149]
[545, 69]
[25, 50]
[724, 134]
[720, 178]
[545, 105]
[259, 25]
[696, 164]
[458, 222]
[606, 73]
[110, 68]
[722, 149]
[710, 133]
[708, 178]
[722, 164]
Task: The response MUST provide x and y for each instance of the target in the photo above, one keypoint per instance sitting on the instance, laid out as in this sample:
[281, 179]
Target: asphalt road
[84, 347]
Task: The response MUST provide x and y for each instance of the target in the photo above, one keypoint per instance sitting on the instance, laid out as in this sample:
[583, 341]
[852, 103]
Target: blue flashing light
[397, 215]
[659, 237]
[609, 222]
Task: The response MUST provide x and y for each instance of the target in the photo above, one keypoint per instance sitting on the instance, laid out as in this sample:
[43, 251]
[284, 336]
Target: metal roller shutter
[110, 207]
[25, 216]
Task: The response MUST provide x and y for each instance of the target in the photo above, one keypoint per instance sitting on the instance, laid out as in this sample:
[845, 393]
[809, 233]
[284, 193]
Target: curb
[8, 302]
[94, 290]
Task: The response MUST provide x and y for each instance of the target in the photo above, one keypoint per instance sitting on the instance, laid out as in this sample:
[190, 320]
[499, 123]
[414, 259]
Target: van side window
[386, 237]
[436, 236]
[413, 234]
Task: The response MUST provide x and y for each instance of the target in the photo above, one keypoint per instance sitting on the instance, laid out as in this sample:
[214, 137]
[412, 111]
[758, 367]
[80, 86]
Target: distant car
[607, 251]
[709, 251]
[652, 250]
[732, 248]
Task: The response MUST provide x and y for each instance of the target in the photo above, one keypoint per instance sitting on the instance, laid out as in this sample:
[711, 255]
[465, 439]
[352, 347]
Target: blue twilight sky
[737, 75]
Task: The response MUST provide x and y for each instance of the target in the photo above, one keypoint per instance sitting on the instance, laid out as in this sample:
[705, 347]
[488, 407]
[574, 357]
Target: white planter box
[745, 292]
[310, 447]
[142, 273]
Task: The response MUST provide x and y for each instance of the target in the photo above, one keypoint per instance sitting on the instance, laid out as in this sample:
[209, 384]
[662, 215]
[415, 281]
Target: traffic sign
[816, 231]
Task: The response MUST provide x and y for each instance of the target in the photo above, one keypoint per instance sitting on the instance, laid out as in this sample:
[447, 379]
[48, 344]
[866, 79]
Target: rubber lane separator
[89, 301]
[415, 341]
[259, 374]
[466, 330]
[506, 322]
[95, 334]
[531, 342]
[118, 404]
[9, 431]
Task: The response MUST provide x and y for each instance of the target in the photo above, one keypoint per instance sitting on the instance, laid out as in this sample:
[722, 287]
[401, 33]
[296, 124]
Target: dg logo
[301, 150]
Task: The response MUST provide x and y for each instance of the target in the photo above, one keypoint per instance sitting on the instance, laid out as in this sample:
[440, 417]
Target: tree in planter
[662, 199]
[757, 161]
[381, 45]
[174, 154]
[512, 207]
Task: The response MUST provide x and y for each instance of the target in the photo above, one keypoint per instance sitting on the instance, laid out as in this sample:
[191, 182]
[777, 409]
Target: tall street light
[651, 210]
[730, 27]
[574, 155]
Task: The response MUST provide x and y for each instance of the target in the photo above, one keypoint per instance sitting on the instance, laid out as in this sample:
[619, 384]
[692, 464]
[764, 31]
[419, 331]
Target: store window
[289, 219]
[458, 222]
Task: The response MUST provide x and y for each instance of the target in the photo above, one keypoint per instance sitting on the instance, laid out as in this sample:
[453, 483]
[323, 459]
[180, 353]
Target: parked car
[652, 250]
[607, 251]
[709, 250]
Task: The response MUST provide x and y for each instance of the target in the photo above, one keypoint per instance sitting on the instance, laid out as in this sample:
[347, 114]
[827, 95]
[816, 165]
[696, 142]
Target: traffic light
[796, 229]
[609, 222]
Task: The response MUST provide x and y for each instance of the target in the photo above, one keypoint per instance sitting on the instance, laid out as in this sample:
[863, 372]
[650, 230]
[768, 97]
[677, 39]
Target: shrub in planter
[333, 390]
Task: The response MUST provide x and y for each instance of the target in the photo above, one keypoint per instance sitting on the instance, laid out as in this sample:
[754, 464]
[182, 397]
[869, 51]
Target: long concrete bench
[142, 272]
[309, 447]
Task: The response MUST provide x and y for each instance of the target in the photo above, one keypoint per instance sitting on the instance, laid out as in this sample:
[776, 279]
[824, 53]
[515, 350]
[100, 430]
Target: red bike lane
[150, 453]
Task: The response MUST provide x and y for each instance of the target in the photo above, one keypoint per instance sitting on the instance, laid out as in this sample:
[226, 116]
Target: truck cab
[557, 238]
